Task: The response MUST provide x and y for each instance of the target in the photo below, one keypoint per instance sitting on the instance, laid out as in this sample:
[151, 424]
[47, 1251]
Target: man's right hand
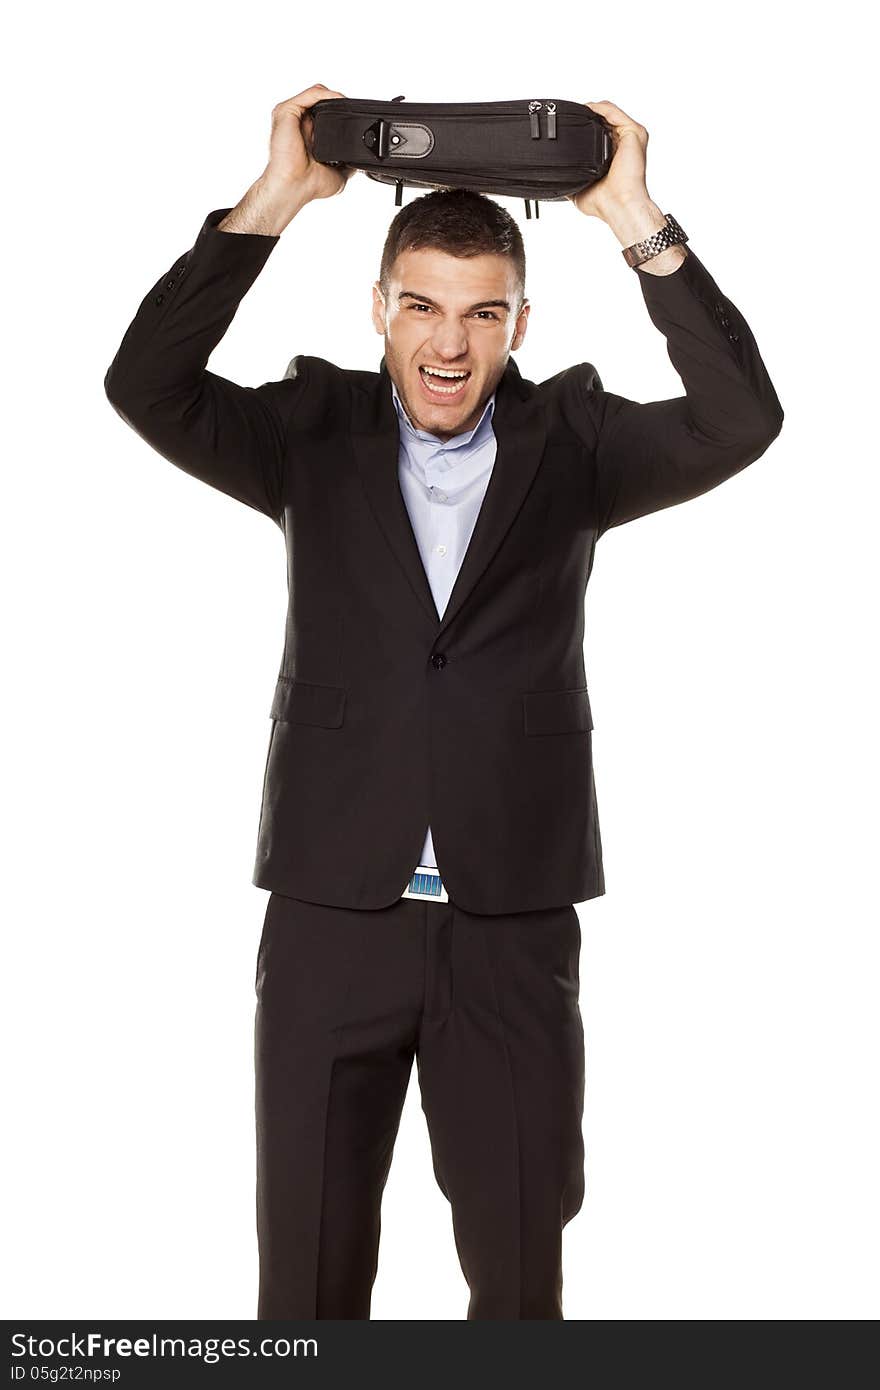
[291, 162]
[293, 177]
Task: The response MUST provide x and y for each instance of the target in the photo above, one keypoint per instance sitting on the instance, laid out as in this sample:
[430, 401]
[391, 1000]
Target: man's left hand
[624, 184]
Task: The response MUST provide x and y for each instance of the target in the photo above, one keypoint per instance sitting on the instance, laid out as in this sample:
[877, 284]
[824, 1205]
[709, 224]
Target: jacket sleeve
[654, 455]
[230, 436]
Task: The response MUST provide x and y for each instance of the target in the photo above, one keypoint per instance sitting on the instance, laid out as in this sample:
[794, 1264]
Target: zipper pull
[534, 108]
[551, 120]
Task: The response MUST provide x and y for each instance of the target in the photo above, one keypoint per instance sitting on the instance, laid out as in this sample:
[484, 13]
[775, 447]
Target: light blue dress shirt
[443, 483]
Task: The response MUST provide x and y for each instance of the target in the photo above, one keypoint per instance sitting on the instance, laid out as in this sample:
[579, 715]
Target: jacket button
[159, 298]
[438, 661]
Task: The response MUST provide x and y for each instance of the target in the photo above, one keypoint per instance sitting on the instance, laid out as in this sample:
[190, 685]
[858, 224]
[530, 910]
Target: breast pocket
[302, 702]
[557, 711]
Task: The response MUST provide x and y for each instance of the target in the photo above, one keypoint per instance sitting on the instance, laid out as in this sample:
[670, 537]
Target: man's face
[454, 313]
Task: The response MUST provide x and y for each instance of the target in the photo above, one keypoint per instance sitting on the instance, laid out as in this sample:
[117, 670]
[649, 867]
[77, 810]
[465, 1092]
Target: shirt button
[441, 549]
[441, 496]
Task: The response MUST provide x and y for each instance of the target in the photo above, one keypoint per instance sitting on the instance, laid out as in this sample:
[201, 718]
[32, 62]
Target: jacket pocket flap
[301, 702]
[557, 711]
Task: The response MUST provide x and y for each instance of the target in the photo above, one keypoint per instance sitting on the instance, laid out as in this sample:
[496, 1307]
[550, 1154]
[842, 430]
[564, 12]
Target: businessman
[429, 815]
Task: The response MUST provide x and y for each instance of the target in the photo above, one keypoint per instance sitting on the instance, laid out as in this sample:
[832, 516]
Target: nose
[450, 341]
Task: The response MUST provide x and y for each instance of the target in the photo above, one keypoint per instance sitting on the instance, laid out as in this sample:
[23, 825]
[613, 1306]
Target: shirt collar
[458, 440]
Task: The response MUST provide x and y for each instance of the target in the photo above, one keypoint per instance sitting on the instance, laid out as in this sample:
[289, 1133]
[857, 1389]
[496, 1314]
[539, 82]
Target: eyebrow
[484, 303]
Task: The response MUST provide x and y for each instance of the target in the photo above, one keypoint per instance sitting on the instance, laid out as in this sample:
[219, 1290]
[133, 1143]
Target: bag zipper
[550, 108]
[430, 110]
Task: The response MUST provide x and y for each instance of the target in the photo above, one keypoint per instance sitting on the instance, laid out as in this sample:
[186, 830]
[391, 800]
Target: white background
[729, 978]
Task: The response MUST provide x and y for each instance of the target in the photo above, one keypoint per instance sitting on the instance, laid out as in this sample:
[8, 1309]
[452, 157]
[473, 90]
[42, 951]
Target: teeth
[446, 390]
[435, 371]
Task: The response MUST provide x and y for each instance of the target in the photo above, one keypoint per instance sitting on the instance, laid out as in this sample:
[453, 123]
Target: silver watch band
[670, 235]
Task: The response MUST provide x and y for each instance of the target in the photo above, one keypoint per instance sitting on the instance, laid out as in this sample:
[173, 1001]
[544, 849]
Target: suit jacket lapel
[520, 431]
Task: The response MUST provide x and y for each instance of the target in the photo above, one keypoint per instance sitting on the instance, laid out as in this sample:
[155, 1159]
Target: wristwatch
[670, 235]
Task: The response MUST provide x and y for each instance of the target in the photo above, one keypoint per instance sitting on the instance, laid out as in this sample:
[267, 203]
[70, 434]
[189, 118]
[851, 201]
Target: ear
[522, 320]
[378, 311]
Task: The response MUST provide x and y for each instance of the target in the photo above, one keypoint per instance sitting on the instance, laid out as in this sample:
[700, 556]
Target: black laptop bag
[536, 150]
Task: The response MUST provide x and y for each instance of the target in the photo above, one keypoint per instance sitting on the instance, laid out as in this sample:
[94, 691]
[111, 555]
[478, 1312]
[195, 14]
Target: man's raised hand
[292, 165]
[293, 177]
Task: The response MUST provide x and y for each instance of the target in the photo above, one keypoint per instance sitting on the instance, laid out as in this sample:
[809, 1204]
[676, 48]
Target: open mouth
[443, 385]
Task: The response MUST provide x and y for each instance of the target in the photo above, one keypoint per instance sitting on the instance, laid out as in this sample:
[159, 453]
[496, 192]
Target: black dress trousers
[488, 1006]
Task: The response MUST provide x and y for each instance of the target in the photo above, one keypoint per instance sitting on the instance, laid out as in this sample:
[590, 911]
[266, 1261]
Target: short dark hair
[459, 222]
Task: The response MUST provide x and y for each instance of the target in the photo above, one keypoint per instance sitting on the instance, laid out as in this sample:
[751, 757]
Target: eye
[486, 313]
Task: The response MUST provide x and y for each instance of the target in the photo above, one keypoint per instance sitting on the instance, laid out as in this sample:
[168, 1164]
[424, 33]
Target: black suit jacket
[385, 716]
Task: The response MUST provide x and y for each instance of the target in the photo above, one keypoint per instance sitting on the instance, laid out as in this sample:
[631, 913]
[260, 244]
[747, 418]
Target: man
[429, 814]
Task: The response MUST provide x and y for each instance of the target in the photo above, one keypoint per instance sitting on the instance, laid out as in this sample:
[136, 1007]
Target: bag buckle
[379, 138]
